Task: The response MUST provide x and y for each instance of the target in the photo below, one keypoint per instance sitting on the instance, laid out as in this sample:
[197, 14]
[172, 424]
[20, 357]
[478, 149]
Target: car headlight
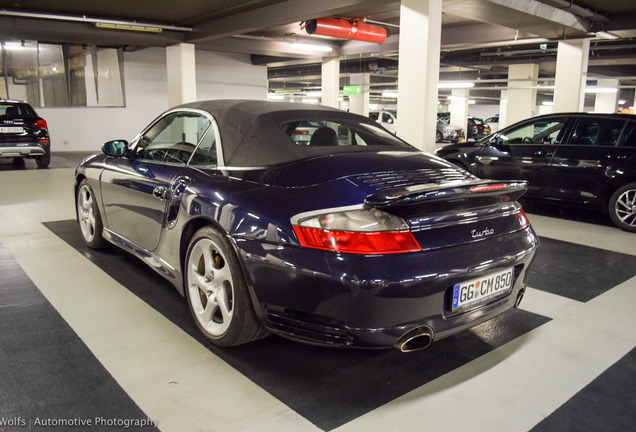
[354, 230]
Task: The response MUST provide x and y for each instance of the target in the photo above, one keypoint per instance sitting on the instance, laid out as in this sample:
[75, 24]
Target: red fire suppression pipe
[346, 29]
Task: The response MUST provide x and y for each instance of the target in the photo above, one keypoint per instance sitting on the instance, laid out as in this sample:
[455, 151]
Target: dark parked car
[23, 134]
[582, 159]
[354, 239]
[477, 128]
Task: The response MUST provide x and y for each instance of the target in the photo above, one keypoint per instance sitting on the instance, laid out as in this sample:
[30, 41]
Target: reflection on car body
[354, 238]
[576, 158]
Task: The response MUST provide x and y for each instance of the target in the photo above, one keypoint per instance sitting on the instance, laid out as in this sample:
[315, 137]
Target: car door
[522, 152]
[140, 190]
[593, 155]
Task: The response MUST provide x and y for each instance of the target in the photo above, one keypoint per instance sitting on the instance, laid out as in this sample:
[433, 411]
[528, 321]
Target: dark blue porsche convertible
[337, 233]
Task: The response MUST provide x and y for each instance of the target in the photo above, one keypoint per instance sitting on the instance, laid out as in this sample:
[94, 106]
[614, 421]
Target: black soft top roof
[251, 132]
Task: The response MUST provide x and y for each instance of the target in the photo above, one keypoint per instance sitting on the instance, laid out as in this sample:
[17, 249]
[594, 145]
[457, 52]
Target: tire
[438, 137]
[622, 207]
[43, 161]
[89, 218]
[217, 293]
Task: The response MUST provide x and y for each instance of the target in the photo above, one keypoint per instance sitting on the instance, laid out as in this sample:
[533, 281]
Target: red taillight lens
[489, 187]
[41, 124]
[382, 242]
[523, 219]
[300, 132]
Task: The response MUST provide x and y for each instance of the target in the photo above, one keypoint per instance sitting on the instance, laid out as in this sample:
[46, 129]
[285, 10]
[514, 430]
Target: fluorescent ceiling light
[456, 85]
[312, 47]
[455, 98]
[390, 94]
[471, 102]
[131, 27]
[314, 94]
[601, 90]
[622, 102]
[274, 96]
[606, 35]
[310, 100]
[548, 103]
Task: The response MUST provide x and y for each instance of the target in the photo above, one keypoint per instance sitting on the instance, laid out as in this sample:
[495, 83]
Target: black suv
[583, 159]
[23, 134]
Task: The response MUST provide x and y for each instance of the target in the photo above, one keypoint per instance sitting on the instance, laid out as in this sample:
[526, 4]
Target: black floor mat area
[48, 376]
[607, 404]
[578, 272]
[329, 387]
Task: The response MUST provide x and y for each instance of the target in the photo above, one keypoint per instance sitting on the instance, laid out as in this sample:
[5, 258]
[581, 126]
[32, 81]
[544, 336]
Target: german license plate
[11, 129]
[477, 291]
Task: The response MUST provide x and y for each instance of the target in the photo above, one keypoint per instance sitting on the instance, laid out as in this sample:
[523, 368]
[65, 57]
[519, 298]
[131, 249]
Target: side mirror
[115, 148]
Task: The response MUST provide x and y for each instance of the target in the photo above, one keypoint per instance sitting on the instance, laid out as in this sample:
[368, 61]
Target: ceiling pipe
[104, 23]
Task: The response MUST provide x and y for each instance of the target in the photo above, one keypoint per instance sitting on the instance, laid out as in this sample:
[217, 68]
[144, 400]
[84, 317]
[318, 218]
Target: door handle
[543, 153]
[160, 192]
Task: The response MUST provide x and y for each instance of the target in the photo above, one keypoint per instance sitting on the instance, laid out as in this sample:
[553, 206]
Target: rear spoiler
[456, 191]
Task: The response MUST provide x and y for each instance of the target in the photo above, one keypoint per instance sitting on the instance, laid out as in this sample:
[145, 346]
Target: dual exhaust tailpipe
[415, 339]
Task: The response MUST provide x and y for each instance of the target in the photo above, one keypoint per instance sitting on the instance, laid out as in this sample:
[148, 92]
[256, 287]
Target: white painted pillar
[571, 74]
[458, 109]
[522, 97]
[418, 74]
[503, 107]
[359, 104]
[182, 83]
[330, 81]
[606, 102]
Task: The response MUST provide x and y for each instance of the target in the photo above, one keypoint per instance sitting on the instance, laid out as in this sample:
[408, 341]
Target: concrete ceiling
[480, 38]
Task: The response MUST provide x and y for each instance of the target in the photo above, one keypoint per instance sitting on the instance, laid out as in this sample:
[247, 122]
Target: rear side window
[597, 131]
[628, 139]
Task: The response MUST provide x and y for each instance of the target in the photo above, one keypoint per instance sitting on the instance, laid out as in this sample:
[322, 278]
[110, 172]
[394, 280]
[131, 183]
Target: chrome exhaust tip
[415, 339]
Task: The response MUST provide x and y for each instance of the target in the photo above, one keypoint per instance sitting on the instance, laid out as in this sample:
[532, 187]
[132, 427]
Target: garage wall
[218, 76]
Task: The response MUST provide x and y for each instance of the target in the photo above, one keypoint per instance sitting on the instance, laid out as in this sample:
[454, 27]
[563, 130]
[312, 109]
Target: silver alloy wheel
[210, 287]
[86, 213]
[625, 207]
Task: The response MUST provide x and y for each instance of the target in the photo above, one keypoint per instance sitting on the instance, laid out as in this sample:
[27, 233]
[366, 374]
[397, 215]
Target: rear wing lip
[429, 192]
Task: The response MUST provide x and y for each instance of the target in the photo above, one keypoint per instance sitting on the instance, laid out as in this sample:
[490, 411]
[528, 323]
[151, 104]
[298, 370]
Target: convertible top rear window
[338, 134]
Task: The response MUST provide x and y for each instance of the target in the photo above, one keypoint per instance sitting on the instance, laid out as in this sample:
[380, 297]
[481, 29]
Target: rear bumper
[371, 301]
[23, 150]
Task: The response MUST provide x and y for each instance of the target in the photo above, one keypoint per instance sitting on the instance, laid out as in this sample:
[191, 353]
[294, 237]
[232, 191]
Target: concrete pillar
[182, 83]
[571, 74]
[330, 81]
[459, 109]
[359, 104]
[522, 92]
[503, 107]
[606, 102]
[418, 74]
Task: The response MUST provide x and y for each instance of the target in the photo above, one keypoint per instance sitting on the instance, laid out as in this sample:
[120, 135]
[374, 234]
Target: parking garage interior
[97, 341]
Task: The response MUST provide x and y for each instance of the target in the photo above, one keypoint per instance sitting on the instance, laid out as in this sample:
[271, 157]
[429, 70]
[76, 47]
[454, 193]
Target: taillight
[523, 219]
[300, 132]
[358, 231]
[488, 187]
[41, 123]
